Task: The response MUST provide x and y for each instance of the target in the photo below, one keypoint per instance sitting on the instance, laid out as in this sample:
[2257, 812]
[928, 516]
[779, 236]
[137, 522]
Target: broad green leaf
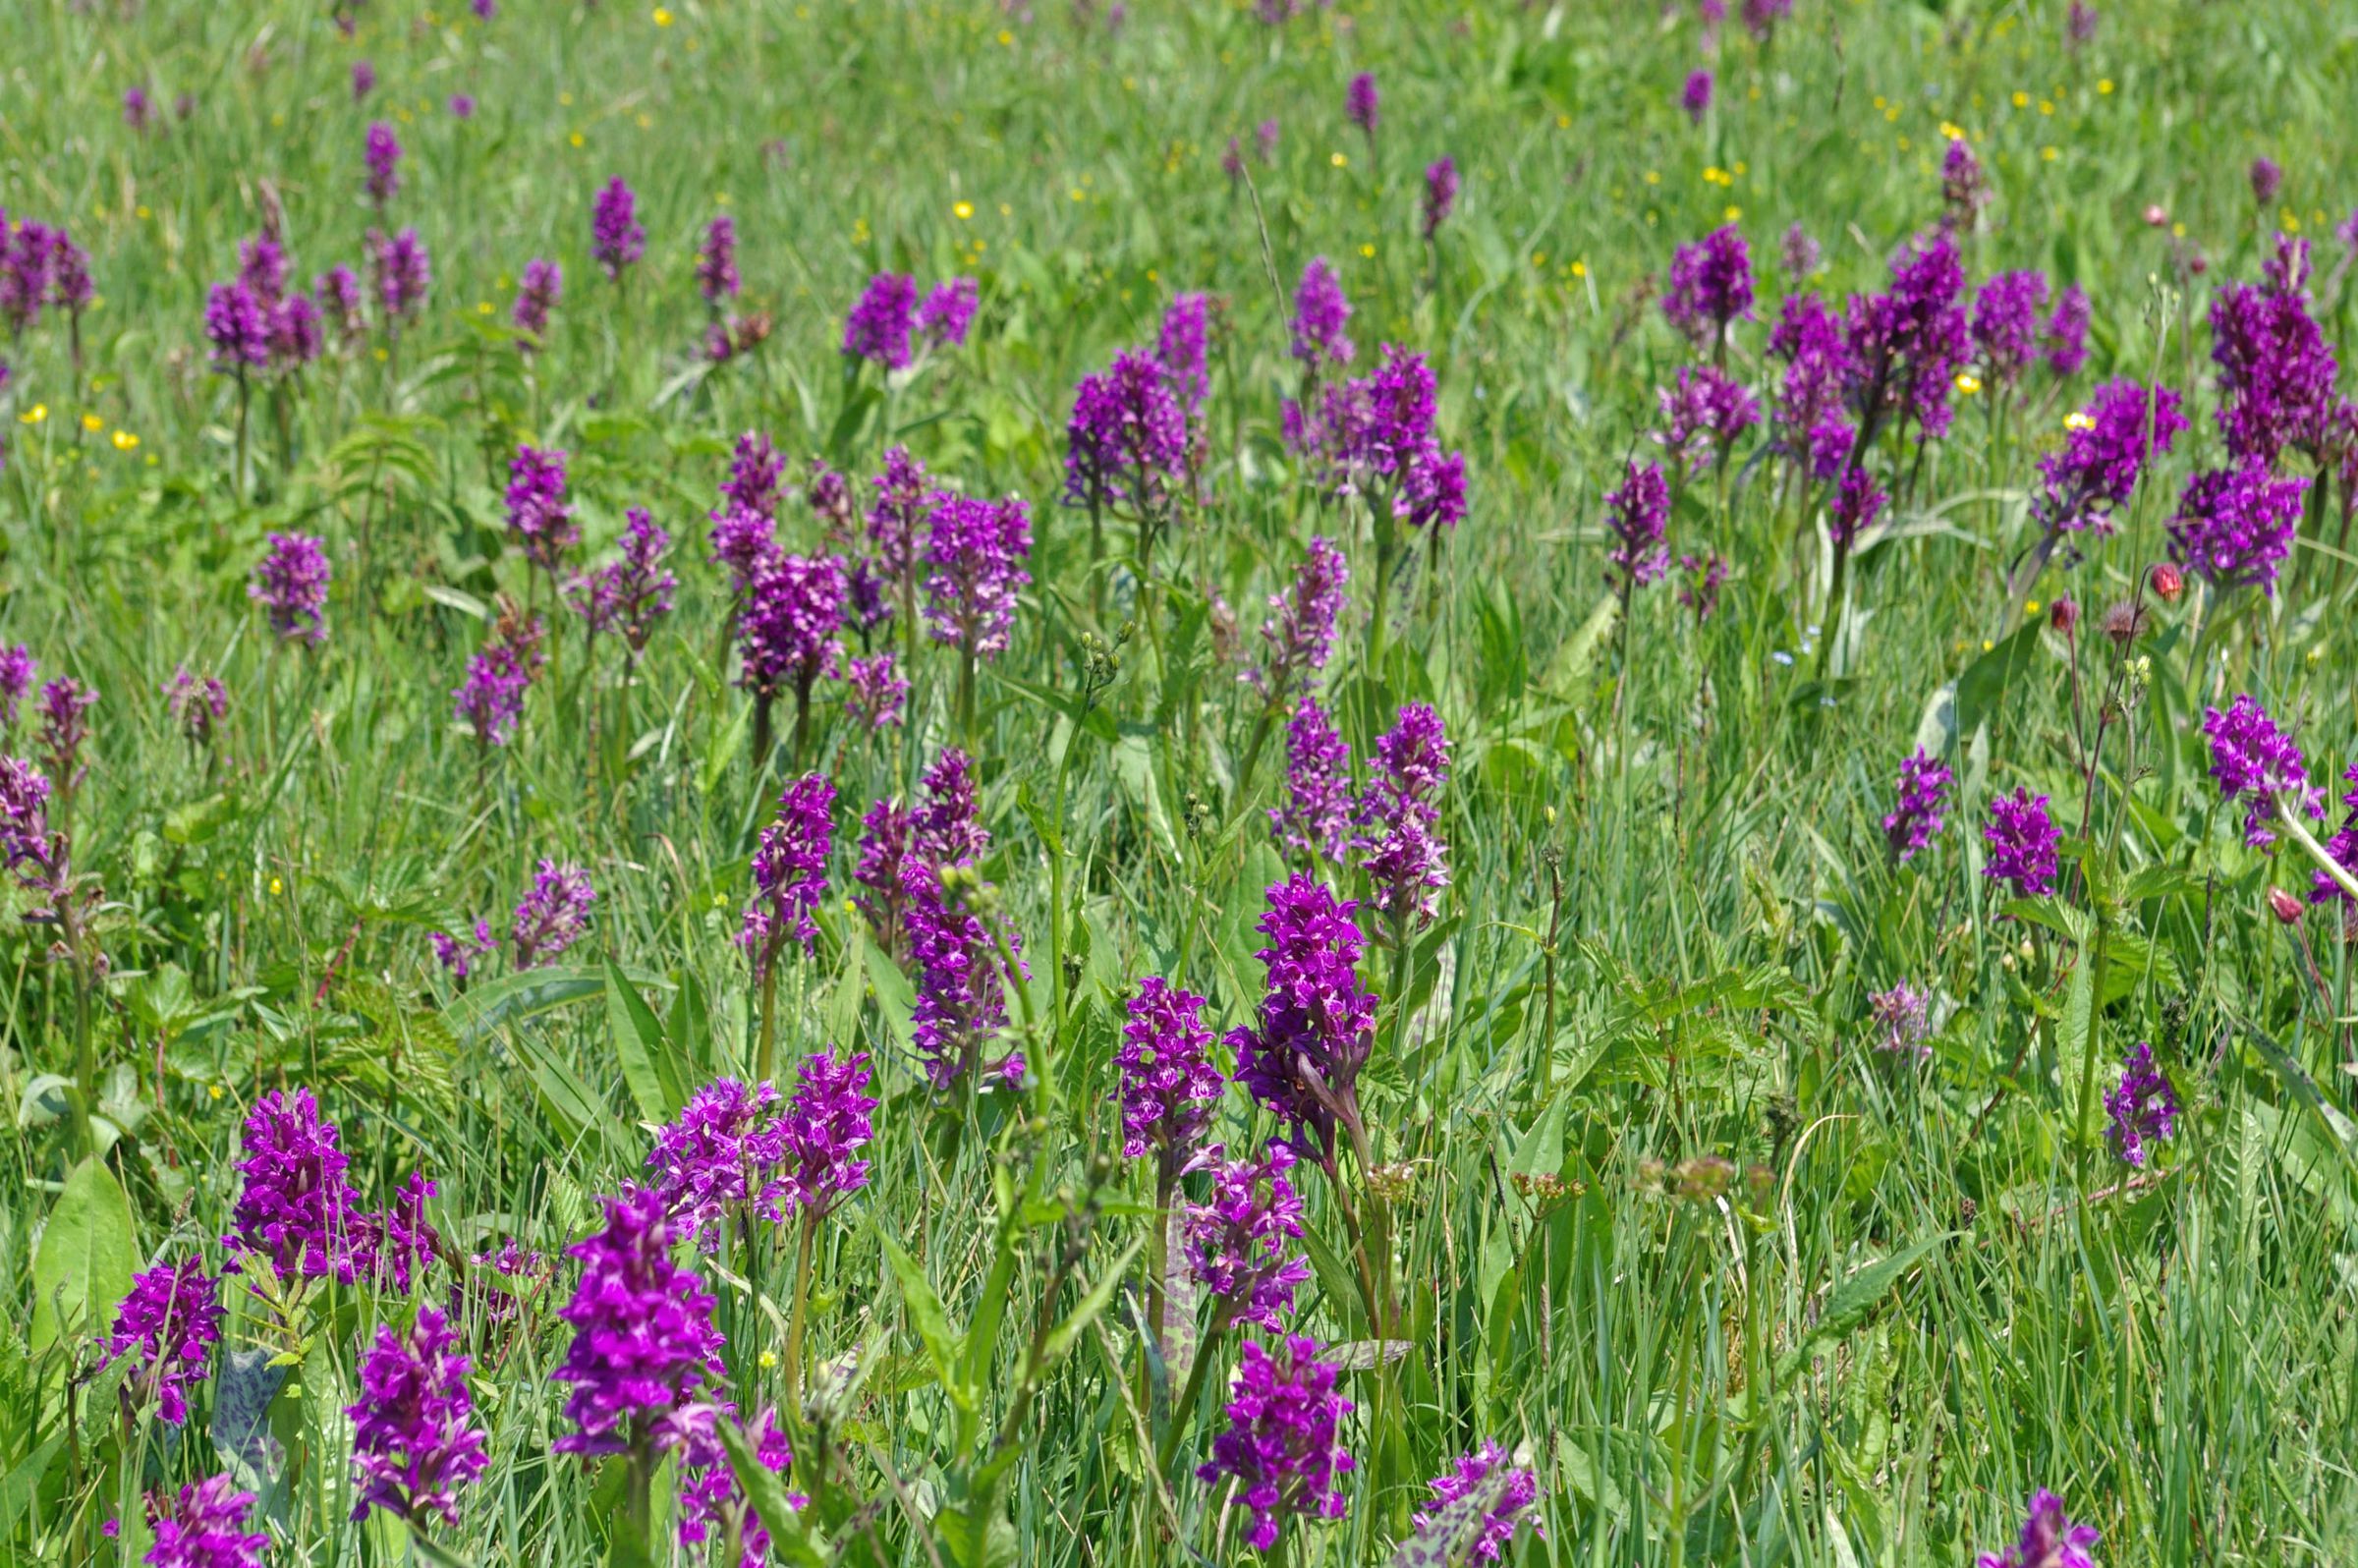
[1983, 688]
[520, 995]
[927, 1315]
[1856, 1299]
[639, 1043]
[87, 1254]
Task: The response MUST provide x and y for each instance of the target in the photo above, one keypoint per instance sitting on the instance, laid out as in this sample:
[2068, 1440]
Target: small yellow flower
[141, 211]
[1580, 270]
[93, 424]
[1968, 384]
[1952, 131]
[2048, 155]
[213, 1091]
[565, 99]
[1986, 644]
[1339, 160]
[961, 210]
[2022, 100]
[1653, 178]
[647, 122]
[1367, 251]
[482, 308]
[1538, 258]
[1006, 211]
[276, 888]
[1564, 122]
[123, 440]
[1077, 193]
[2029, 607]
[34, 414]
[2103, 86]
[1741, 169]
[381, 356]
[769, 1360]
[576, 139]
[720, 199]
[1731, 214]
[1007, 41]
[662, 18]
[2077, 421]
[2046, 106]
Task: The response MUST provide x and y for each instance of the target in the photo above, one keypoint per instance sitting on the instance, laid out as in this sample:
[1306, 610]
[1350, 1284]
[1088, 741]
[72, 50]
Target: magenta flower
[538, 291]
[338, 291]
[1360, 104]
[977, 550]
[1321, 312]
[788, 633]
[293, 1205]
[1710, 285]
[948, 311]
[404, 274]
[139, 110]
[1183, 347]
[18, 668]
[2235, 527]
[538, 516]
[1964, 187]
[205, 1528]
[2254, 761]
[1398, 818]
[290, 584]
[1516, 1498]
[1696, 95]
[1798, 254]
[716, 260]
[1913, 822]
[2276, 371]
[1282, 1447]
[643, 1336]
[1238, 1239]
[1315, 818]
[882, 321]
[2267, 178]
[1170, 1088]
[1910, 343]
[166, 1327]
[826, 1124]
[2105, 451]
[960, 998]
[553, 915]
[2342, 846]
[2141, 1111]
[65, 706]
[1301, 1056]
[457, 955]
[1638, 517]
[1702, 415]
[2049, 1539]
[381, 152]
[1126, 442]
[1299, 634]
[722, 1158]
[635, 590]
[1852, 509]
[196, 703]
[790, 871]
[2006, 323]
[237, 329]
[1902, 1021]
[874, 690]
[415, 1440]
[616, 238]
[2021, 839]
[1811, 416]
[1441, 195]
[2065, 342]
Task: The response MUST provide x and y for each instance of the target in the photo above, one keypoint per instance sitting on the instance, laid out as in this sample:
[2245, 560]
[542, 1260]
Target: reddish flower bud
[2167, 582]
[2285, 907]
[2063, 615]
[2157, 215]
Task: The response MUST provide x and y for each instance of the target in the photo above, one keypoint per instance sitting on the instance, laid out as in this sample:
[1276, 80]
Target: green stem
[766, 1057]
[798, 1315]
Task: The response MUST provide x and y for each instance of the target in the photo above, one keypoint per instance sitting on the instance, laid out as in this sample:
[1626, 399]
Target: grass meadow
[1731, 1148]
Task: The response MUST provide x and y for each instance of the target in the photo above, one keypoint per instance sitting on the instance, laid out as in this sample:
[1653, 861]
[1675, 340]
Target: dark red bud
[2167, 582]
[2285, 907]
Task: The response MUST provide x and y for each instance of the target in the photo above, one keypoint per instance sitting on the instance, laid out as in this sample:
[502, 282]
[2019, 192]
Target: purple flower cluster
[205, 1528]
[415, 1441]
[381, 153]
[1695, 95]
[961, 999]
[237, 327]
[196, 703]
[616, 237]
[1704, 576]
[293, 1205]
[643, 1334]
[1283, 1447]
[1638, 517]
[1126, 439]
[1912, 824]
[721, 1158]
[490, 700]
[2108, 445]
[18, 667]
[708, 1495]
[538, 516]
[790, 871]
[65, 706]
[1441, 195]
[1964, 188]
[553, 915]
[457, 954]
[1360, 103]
[2235, 527]
[716, 260]
[2141, 1108]
[948, 311]
[1315, 818]
[1317, 1022]
[1238, 1238]
[1378, 433]
[2006, 323]
[2022, 840]
[1902, 1021]
[1183, 347]
[537, 291]
[1169, 1084]
[290, 584]
[1703, 414]
[827, 1123]
[882, 321]
[1852, 509]
[2342, 846]
[976, 551]
[1811, 424]
[1321, 313]
[630, 593]
[404, 274]
[789, 630]
[2065, 343]
[2276, 369]
[167, 1327]
[1398, 818]
[1299, 634]
[2254, 761]
[1517, 1495]
[1909, 343]
[1710, 286]
[2049, 1539]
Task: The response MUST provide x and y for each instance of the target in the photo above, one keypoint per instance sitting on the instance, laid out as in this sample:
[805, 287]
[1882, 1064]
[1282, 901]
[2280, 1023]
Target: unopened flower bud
[2063, 615]
[2167, 582]
[2157, 215]
[2285, 907]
